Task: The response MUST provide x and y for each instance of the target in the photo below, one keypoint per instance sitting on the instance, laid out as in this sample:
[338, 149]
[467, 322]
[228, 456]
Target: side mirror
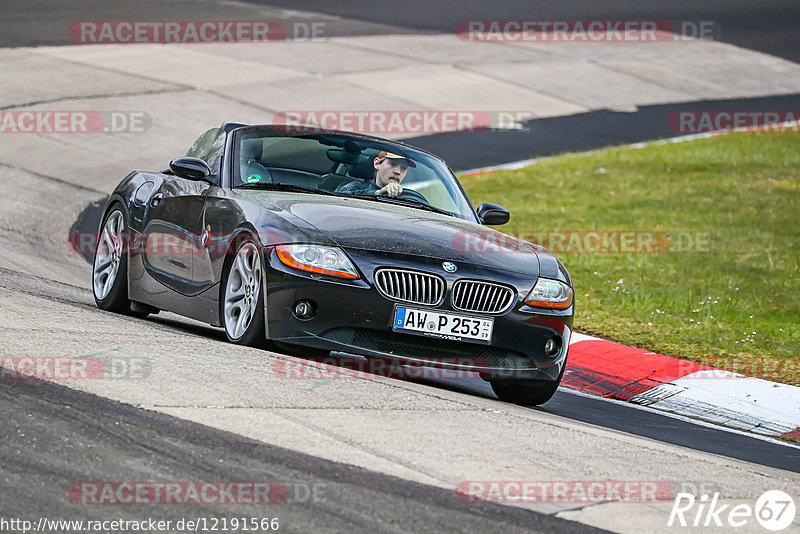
[493, 214]
[190, 168]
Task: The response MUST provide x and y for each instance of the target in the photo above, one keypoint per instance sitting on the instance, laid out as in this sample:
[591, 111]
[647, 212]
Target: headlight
[551, 294]
[330, 261]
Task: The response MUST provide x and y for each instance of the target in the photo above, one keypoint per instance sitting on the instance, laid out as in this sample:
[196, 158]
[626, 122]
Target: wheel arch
[114, 199]
[245, 232]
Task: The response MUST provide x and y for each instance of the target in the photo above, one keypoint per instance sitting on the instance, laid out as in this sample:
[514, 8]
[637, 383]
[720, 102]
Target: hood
[383, 227]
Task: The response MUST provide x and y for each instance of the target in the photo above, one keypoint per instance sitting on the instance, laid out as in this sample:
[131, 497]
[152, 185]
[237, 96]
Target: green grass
[734, 301]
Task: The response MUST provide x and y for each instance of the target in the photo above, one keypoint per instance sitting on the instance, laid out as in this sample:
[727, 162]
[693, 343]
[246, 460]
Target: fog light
[552, 346]
[304, 309]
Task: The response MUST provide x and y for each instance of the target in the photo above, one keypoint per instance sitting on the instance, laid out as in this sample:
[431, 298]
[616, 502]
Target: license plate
[440, 325]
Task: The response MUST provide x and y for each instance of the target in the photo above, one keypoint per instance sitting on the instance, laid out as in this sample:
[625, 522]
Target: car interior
[328, 162]
[290, 161]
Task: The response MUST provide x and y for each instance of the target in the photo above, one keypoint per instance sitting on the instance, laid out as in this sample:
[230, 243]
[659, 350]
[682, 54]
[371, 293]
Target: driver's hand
[392, 189]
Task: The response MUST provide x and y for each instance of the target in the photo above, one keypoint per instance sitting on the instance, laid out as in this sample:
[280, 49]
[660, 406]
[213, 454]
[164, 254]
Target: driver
[390, 169]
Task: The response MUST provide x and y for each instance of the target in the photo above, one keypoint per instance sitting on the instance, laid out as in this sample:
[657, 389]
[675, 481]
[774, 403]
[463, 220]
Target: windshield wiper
[283, 187]
[410, 202]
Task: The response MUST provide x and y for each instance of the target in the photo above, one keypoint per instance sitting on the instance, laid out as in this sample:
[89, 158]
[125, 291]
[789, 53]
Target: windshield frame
[441, 169]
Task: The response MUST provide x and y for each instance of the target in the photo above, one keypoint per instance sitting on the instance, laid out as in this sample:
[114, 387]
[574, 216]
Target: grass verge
[720, 284]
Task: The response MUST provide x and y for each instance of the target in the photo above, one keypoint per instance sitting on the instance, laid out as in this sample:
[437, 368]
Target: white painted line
[576, 337]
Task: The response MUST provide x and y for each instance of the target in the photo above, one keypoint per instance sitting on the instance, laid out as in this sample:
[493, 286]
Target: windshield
[332, 162]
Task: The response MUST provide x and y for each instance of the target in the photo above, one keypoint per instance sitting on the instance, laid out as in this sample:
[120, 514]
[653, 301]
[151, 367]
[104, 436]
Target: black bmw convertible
[293, 238]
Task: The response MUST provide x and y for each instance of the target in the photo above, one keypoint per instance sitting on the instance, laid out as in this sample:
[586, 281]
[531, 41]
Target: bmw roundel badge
[449, 266]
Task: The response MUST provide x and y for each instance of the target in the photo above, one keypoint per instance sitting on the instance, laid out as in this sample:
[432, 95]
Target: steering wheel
[410, 194]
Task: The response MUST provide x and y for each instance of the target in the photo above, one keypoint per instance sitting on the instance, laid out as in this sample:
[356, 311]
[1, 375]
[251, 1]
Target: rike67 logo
[774, 510]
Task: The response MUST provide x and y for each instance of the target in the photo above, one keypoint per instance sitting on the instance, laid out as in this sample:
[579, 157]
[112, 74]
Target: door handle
[156, 200]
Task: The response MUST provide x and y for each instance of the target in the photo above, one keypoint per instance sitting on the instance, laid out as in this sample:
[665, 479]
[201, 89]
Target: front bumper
[352, 317]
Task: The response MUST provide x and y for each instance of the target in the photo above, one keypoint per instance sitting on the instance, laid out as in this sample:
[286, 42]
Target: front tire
[242, 302]
[110, 265]
[527, 393]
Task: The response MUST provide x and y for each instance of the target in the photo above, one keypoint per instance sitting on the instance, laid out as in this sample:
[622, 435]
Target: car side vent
[482, 297]
[410, 286]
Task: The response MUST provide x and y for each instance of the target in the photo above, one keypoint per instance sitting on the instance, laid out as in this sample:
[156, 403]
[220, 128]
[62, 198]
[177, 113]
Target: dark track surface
[591, 410]
[769, 27]
[633, 420]
[53, 437]
[584, 131]
[766, 27]
[45, 22]
[615, 416]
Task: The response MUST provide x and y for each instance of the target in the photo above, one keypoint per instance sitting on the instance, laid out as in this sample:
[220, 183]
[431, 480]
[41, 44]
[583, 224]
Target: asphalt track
[583, 131]
[570, 405]
[43, 456]
[769, 27]
[617, 415]
[44, 22]
[91, 438]
[766, 27]
[54, 437]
